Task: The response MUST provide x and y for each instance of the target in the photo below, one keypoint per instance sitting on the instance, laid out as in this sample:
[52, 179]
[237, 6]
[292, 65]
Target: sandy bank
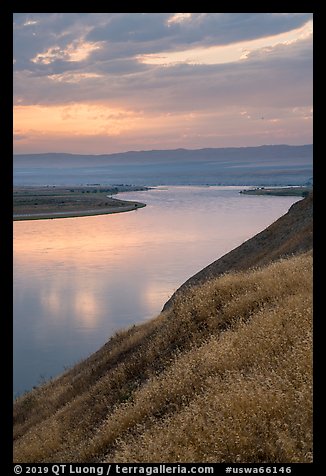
[78, 213]
[37, 203]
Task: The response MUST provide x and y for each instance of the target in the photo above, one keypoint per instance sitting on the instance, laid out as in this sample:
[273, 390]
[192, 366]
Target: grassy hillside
[224, 375]
[290, 234]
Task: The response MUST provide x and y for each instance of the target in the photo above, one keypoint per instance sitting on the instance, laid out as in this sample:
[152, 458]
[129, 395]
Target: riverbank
[279, 191]
[37, 203]
[231, 357]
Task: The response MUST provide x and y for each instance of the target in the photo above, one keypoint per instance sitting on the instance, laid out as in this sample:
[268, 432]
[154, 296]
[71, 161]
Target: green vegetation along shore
[223, 374]
[35, 203]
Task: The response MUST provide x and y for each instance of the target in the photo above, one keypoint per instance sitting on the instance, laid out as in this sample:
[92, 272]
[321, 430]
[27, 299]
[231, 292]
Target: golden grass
[224, 376]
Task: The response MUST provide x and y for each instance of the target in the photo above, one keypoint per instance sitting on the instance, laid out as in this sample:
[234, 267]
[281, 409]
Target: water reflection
[78, 280]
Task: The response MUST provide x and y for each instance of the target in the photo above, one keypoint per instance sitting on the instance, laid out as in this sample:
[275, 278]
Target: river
[79, 280]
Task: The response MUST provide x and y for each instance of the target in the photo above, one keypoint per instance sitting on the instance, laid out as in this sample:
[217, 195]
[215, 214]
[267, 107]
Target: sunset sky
[98, 83]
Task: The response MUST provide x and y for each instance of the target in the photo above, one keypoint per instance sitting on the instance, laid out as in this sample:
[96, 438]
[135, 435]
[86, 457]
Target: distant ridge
[280, 151]
[263, 165]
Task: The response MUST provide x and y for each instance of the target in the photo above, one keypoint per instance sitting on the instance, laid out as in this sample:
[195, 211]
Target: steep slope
[222, 375]
[225, 376]
[290, 234]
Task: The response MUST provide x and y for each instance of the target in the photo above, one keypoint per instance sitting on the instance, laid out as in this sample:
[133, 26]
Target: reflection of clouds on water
[52, 302]
[79, 280]
[156, 292]
[86, 308]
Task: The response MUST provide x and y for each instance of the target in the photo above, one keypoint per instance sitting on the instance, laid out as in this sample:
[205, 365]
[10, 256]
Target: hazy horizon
[266, 165]
[62, 152]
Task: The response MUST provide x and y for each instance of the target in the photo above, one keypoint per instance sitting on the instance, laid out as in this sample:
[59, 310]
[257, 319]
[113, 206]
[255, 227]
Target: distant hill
[264, 165]
[223, 375]
[264, 153]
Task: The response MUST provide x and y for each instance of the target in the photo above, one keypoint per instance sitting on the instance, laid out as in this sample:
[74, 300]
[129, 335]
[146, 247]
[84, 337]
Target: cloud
[40, 32]
[130, 34]
[197, 28]
[258, 63]
[18, 137]
[75, 119]
[74, 52]
[281, 75]
[227, 53]
[179, 18]
[30, 22]
[73, 77]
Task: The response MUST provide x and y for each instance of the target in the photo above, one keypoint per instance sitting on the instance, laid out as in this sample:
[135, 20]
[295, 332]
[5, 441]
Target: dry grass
[290, 234]
[224, 375]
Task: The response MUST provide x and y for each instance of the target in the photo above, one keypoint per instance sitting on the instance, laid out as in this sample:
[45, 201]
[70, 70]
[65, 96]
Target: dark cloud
[269, 79]
[121, 66]
[127, 34]
[204, 29]
[282, 77]
[124, 27]
[47, 30]
[225, 28]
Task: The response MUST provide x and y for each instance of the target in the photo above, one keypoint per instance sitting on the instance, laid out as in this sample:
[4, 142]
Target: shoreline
[44, 202]
[78, 213]
[289, 191]
[143, 364]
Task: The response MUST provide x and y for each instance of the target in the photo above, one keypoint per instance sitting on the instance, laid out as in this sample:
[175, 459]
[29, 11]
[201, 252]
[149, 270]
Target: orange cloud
[83, 119]
[75, 51]
[73, 119]
[233, 52]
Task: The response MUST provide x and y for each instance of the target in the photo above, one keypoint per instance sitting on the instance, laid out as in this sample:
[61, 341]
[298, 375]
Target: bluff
[224, 374]
[290, 234]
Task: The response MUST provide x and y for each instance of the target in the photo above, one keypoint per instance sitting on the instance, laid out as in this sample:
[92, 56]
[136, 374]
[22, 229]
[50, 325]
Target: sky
[100, 83]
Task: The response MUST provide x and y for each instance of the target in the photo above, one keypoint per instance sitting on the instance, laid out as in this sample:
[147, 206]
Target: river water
[79, 280]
